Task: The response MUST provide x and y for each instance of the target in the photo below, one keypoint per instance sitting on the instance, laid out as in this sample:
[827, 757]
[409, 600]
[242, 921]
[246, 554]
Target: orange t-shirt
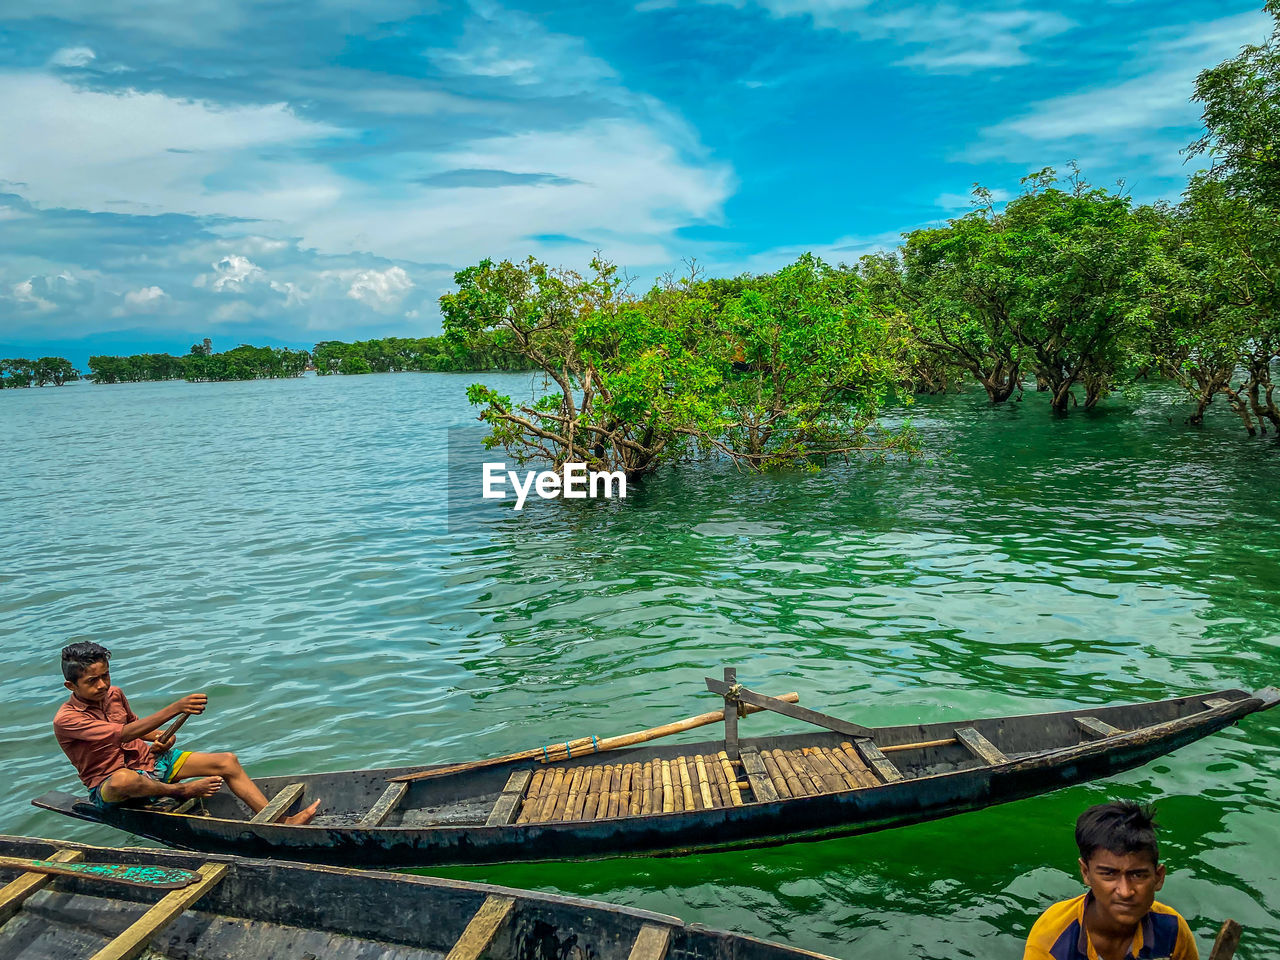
[89, 734]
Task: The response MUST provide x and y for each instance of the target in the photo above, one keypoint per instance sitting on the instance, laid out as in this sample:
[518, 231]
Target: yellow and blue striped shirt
[1060, 934]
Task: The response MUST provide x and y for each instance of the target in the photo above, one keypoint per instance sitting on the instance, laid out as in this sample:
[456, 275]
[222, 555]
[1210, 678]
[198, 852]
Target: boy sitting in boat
[1119, 917]
[121, 758]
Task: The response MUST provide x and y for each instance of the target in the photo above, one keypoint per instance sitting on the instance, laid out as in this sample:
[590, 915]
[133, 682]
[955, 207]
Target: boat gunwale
[1242, 704]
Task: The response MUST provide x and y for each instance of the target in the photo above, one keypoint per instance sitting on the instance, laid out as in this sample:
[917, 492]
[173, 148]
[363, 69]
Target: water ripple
[283, 546]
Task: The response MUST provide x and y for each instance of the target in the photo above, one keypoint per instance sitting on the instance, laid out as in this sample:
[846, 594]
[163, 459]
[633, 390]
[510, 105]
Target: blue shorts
[167, 766]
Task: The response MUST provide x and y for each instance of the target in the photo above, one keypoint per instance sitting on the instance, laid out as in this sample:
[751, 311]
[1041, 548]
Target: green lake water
[283, 547]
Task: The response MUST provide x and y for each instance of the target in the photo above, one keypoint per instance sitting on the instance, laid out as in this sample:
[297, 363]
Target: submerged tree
[955, 297]
[1237, 205]
[768, 371]
[1054, 285]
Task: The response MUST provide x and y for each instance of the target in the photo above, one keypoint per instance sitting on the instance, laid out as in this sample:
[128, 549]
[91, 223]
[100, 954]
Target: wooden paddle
[554, 752]
[169, 735]
[1224, 948]
[134, 875]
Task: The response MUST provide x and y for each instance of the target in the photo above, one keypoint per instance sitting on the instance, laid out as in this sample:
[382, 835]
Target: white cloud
[380, 289]
[24, 292]
[503, 43]
[46, 293]
[957, 40]
[145, 298]
[72, 57]
[147, 152]
[232, 274]
[947, 38]
[1129, 117]
[633, 188]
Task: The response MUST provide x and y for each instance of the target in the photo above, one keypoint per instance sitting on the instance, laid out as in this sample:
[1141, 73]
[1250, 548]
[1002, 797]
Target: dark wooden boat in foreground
[237, 909]
[842, 779]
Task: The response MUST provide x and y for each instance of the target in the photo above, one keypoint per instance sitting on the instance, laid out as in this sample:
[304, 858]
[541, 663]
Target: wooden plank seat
[1213, 703]
[652, 943]
[1097, 728]
[482, 928]
[874, 758]
[386, 805]
[508, 805]
[13, 894]
[278, 806]
[980, 746]
[133, 942]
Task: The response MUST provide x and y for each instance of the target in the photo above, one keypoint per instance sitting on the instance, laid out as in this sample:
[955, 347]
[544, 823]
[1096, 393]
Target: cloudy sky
[275, 172]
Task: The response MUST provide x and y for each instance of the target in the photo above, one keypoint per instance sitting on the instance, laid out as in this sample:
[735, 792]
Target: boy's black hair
[1118, 827]
[78, 657]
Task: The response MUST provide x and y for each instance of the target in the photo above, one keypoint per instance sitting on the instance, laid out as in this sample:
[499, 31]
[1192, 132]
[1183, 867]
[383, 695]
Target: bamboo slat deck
[688, 783]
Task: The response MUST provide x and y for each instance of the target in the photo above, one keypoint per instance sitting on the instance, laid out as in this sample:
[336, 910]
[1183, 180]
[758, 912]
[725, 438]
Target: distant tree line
[37, 373]
[423, 355]
[244, 362]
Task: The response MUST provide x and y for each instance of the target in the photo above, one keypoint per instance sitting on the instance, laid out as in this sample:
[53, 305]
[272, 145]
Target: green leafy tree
[55, 370]
[812, 366]
[784, 369]
[17, 372]
[1076, 262]
[951, 288]
[1237, 204]
[611, 400]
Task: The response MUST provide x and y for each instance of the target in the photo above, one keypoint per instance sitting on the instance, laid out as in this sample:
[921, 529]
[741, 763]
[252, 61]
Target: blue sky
[272, 172]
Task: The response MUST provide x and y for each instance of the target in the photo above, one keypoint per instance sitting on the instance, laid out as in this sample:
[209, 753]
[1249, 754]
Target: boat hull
[269, 908]
[911, 800]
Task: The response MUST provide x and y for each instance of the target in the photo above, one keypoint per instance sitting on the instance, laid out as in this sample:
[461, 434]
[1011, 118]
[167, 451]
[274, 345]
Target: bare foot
[303, 816]
[204, 787]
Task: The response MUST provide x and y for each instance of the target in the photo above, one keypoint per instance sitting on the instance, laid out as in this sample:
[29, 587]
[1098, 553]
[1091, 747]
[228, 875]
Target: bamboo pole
[571, 801]
[735, 794]
[637, 789]
[549, 804]
[602, 801]
[923, 745]
[721, 780]
[775, 774]
[825, 769]
[841, 763]
[668, 795]
[646, 799]
[615, 790]
[858, 764]
[531, 798]
[798, 787]
[686, 784]
[591, 796]
[624, 792]
[805, 772]
[701, 767]
[715, 777]
[554, 752]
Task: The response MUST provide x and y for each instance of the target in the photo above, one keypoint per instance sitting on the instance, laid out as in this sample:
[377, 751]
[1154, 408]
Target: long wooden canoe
[238, 909]
[677, 798]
